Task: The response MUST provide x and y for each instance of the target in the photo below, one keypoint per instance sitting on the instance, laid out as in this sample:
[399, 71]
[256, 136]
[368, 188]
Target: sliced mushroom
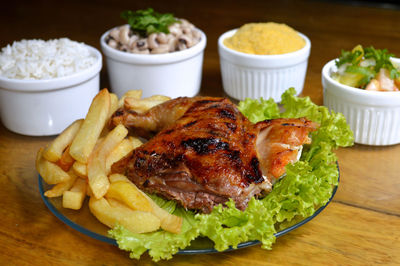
[161, 49]
[145, 51]
[124, 35]
[186, 40]
[186, 30]
[196, 35]
[132, 41]
[115, 34]
[152, 41]
[175, 30]
[181, 46]
[162, 38]
[112, 43]
[172, 44]
[142, 44]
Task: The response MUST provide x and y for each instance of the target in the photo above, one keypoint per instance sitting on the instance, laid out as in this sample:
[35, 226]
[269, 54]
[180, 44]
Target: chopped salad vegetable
[368, 68]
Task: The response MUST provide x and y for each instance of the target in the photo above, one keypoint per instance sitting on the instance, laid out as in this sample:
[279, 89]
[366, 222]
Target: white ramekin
[172, 74]
[268, 76]
[47, 107]
[374, 116]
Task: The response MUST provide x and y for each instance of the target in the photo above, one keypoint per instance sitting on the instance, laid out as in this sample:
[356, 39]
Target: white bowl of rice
[46, 85]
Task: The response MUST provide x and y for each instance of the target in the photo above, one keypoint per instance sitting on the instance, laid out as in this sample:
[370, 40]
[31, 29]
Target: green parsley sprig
[147, 21]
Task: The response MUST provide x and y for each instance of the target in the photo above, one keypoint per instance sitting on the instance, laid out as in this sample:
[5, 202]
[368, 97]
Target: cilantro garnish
[352, 57]
[148, 21]
[382, 59]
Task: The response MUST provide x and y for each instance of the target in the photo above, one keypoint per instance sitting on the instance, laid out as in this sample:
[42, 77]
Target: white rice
[39, 59]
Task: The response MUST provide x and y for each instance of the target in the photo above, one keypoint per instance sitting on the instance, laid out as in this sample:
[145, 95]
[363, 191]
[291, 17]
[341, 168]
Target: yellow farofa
[265, 39]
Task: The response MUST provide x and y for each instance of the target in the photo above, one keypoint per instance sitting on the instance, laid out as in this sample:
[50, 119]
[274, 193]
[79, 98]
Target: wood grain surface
[360, 227]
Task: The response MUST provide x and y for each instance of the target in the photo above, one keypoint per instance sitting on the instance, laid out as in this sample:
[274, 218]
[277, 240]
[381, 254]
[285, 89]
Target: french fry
[113, 108]
[54, 152]
[113, 104]
[136, 94]
[129, 194]
[96, 118]
[136, 142]
[50, 172]
[123, 149]
[117, 177]
[96, 168]
[157, 98]
[111, 213]
[80, 169]
[66, 160]
[73, 198]
[143, 105]
[58, 189]
[169, 222]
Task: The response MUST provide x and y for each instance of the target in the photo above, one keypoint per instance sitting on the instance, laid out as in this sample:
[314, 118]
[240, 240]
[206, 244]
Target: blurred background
[326, 23]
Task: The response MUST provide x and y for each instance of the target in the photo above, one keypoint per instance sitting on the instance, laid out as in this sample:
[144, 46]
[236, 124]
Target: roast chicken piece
[204, 151]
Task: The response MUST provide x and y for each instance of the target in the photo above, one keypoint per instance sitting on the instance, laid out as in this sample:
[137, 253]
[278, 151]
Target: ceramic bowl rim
[304, 51]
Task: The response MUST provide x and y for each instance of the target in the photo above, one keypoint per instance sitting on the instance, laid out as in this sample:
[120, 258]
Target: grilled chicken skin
[205, 151]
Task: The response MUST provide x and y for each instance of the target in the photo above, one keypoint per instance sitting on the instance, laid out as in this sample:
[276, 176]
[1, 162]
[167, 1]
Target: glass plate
[84, 222]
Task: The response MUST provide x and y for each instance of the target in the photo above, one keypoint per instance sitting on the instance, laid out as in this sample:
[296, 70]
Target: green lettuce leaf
[307, 185]
[228, 226]
[259, 110]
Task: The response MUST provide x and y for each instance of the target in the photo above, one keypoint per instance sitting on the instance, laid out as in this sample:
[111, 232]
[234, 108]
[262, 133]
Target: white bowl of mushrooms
[160, 63]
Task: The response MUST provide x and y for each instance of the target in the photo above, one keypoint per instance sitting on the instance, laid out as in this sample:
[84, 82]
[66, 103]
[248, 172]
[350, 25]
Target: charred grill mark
[288, 124]
[205, 145]
[146, 183]
[231, 126]
[203, 105]
[170, 145]
[168, 131]
[190, 124]
[201, 102]
[226, 113]
[139, 162]
[160, 162]
[213, 133]
[256, 176]
[234, 157]
[251, 135]
[212, 106]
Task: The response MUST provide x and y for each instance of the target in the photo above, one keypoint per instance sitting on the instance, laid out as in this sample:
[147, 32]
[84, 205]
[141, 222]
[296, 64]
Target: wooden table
[360, 227]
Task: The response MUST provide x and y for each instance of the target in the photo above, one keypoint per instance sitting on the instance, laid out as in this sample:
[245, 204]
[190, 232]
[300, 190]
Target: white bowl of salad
[364, 85]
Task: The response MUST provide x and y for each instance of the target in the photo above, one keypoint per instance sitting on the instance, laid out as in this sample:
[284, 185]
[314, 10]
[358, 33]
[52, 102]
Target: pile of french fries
[78, 165]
